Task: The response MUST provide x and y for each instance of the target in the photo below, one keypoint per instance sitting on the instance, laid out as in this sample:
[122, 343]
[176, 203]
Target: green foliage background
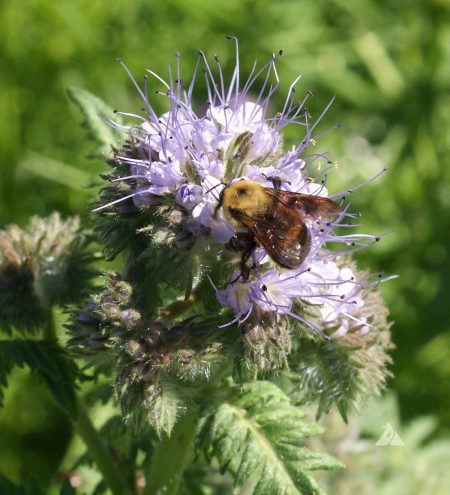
[388, 63]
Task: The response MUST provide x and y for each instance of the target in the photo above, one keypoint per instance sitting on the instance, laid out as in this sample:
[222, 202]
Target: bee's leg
[245, 269]
[244, 242]
[276, 181]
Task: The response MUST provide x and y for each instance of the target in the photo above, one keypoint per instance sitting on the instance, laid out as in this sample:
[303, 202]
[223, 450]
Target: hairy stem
[99, 452]
[172, 455]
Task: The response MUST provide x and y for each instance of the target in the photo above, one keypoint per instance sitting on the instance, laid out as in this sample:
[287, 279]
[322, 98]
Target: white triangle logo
[390, 437]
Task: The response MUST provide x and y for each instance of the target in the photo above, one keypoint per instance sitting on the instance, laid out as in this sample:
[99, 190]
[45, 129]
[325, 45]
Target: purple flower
[190, 156]
[189, 195]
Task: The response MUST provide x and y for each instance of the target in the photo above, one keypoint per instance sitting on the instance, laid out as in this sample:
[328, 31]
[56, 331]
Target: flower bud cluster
[44, 264]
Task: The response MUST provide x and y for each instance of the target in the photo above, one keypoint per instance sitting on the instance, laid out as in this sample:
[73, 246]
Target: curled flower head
[183, 160]
[48, 262]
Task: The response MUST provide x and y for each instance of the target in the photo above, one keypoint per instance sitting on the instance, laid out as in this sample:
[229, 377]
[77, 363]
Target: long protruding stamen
[120, 200]
[234, 84]
[159, 78]
[324, 111]
[271, 67]
[362, 184]
[211, 77]
[179, 81]
[192, 83]
[309, 324]
[291, 92]
[222, 83]
[136, 85]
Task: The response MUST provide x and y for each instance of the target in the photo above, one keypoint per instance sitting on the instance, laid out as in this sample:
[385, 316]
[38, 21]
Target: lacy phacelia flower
[186, 157]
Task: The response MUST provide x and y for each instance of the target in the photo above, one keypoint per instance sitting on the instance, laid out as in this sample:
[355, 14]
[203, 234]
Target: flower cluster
[187, 157]
[49, 262]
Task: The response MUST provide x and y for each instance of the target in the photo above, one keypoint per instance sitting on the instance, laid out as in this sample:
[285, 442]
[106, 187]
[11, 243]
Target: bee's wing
[282, 233]
[310, 205]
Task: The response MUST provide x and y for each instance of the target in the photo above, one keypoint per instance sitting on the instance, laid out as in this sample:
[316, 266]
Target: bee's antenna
[214, 187]
[220, 198]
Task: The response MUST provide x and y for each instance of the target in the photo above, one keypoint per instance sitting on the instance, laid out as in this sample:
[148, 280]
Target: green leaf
[163, 409]
[51, 364]
[258, 435]
[148, 404]
[95, 112]
[6, 367]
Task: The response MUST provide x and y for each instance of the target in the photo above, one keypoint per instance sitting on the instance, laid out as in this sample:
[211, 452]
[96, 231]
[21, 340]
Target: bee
[272, 218]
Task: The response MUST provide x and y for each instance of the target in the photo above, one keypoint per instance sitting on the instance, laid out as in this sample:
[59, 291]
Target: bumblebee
[273, 219]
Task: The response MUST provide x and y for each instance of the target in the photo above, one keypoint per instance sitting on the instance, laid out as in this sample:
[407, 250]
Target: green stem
[99, 452]
[91, 438]
[172, 455]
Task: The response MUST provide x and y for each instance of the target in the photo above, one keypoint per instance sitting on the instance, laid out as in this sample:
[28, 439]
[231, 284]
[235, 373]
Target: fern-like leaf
[258, 435]
[95, 111]
[51, 364]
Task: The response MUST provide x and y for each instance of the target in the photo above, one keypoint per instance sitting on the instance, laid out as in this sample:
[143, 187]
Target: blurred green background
[388, 63]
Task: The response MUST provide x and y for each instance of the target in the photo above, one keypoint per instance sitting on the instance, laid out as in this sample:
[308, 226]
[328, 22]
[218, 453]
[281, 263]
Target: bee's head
[243, 195]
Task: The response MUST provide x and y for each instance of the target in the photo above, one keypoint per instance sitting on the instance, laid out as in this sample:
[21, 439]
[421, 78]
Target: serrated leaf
[163, 411]
[155, 404]
[51, 364]
[6, 367]
[259, 435]
[95, 113]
